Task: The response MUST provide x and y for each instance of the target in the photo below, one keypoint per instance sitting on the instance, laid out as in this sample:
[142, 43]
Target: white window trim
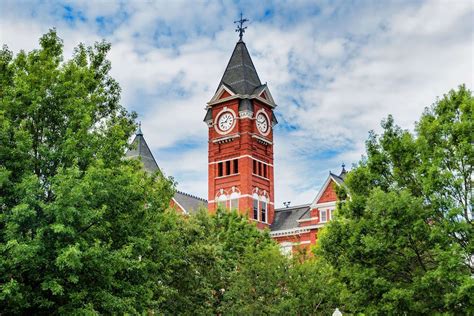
[243, 156]
[323, 219]
[255, 197]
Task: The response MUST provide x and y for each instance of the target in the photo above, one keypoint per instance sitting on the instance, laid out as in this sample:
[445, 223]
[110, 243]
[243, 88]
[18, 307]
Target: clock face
[262, 123]
[226, 120]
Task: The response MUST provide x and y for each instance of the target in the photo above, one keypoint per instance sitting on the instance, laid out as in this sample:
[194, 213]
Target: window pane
[234, 204]
[255, 167]
[323, 216]
[227, 167]
[264, 211]
[255, 209]
[219, 169]
[236, 166]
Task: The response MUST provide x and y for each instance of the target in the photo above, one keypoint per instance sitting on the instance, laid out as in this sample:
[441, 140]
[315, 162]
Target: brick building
[240, 120]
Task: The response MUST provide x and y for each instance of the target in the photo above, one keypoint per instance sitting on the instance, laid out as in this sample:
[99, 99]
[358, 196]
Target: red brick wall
[303, 238]
[329, 195]
[242, 146]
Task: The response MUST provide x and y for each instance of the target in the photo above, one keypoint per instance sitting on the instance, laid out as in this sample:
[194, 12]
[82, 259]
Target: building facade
[240, 119]
[240, 123]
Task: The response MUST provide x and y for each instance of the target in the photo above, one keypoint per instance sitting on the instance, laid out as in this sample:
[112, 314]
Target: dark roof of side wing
[190, 203]
[287, 218]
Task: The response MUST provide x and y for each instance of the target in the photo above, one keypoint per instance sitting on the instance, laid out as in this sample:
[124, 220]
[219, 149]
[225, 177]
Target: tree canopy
[83, 230]
[77, 220]
[402, 241]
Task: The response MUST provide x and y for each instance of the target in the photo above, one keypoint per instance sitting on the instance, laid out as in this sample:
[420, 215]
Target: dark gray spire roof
[139, 149]
[240, 74]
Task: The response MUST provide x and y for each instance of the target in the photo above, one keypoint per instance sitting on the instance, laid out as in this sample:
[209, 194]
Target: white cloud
[335, 69]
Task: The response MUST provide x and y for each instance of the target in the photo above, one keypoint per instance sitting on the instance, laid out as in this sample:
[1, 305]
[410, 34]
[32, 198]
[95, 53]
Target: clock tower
[240, 122]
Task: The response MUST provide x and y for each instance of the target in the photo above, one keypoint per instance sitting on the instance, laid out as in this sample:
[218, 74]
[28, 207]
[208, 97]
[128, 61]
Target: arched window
[221, 201]
[255, 207]
[263, 208]
[234, 201]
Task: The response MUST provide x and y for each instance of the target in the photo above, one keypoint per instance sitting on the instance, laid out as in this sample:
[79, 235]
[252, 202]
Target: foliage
[403, 240]
[78, 222]
[83, 230]
[313, 289]
[206, 252]
[259, 283]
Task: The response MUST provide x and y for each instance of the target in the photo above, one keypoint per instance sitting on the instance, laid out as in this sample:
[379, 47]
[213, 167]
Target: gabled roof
[140, 150]
[240, 74]
[338, 179]
[189, 203]
[287, 218]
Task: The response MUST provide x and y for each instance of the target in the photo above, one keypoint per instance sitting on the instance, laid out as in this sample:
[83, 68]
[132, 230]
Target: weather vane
[240, 25]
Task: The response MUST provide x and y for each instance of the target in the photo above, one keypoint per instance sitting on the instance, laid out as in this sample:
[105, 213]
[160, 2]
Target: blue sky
[335, 69]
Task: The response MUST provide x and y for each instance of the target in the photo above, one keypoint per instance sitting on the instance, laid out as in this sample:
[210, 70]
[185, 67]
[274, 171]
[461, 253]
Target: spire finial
[343, 171]
[139, 131]
[240, 26]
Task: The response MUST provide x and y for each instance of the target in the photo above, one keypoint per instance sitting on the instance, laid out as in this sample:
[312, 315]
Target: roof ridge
[293, 207]
[190, 195]
[243, 64]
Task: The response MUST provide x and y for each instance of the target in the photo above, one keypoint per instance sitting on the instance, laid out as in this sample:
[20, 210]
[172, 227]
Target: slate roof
[140, 150]
[286, 218]
[189, 202]
[240, 74]
[339, 179]
[245, 105]
[208, 116]
[259, 89]
[274, 119]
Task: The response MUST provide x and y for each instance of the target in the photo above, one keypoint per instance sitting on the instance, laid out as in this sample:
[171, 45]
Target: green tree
[313, 288]
[78, 222]
[402, 241]
[207, 253]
